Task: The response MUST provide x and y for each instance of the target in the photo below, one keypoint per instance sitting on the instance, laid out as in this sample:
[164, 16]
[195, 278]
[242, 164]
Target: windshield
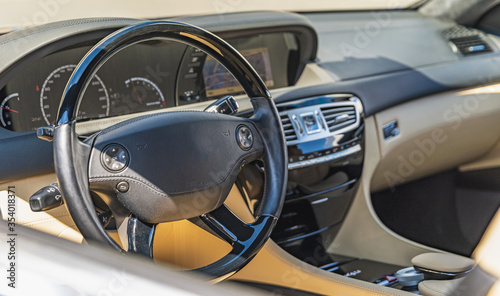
[21, 13]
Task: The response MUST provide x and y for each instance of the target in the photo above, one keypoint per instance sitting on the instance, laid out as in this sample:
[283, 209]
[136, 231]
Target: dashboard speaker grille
[290, 134]
[338, 117]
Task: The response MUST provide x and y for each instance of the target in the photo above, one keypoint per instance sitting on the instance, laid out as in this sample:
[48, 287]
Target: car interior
[349, 151]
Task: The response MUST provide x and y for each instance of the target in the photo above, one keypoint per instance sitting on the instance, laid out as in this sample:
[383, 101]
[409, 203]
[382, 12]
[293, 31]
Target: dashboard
[144, 77]
[326, 86]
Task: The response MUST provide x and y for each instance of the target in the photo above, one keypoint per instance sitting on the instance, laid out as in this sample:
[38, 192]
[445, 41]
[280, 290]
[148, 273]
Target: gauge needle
[8, 109]
[135, 90]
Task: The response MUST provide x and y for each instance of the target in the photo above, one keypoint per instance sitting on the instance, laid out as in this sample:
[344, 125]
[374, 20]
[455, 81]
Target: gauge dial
[145, 94]
[9, 110]
[95, 103]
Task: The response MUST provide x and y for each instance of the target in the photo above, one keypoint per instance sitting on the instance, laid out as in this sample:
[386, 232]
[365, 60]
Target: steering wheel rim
[73, 157]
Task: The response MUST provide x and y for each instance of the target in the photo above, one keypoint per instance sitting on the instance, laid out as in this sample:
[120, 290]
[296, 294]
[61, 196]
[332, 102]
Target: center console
[325, 142]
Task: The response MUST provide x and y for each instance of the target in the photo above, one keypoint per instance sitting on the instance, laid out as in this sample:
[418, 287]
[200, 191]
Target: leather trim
[438, 288]
[362, 234]
[274, 266]
[275, 156]
[448, 263]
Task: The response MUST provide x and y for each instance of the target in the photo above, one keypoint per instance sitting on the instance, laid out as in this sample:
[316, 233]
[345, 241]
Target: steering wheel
[170, 166]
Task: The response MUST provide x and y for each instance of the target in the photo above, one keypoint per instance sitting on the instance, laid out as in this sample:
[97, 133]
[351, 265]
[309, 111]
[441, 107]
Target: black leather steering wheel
[175, 165]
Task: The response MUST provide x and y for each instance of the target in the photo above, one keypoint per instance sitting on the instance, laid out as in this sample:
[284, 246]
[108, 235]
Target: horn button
[178, 165]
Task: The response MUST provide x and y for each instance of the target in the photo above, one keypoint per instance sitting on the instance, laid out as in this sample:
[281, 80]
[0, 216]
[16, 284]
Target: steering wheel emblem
[244, 137]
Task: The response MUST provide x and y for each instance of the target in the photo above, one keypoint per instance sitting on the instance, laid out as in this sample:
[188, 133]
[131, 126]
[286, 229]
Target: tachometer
[145, 93]
[95, 103]
[8, 110]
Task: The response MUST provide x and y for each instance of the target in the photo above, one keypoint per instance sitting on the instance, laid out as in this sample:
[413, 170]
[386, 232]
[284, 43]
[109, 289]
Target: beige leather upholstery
[275, 266]
[56, 222]
[487, 253]
[362, 234]
[439, 141]
[444, 262]
[438, 288]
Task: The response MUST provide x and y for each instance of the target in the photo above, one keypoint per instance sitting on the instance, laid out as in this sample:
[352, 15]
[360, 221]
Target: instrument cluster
[144, 77]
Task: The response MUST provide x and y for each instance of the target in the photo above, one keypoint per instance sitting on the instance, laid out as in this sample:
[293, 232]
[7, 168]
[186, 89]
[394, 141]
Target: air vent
[338, 117]
[290, 134]
[471, 45]
[467, 41]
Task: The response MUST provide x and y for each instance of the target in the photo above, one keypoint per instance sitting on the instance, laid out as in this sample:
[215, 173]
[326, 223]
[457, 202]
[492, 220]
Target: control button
[304, 160]
[49, 197]
[391, 279]
[390, 130]
[395, 132]
[122, 186]
[115, 158]
[244, 137]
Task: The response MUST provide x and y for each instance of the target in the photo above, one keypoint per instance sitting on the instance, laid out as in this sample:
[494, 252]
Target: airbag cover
[182, 164]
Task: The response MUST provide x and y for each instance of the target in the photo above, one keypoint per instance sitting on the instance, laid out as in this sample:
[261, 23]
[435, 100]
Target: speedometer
[95, 103]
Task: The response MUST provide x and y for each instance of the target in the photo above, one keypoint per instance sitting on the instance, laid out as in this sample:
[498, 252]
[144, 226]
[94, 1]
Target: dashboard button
[122, 186]
[115, 158]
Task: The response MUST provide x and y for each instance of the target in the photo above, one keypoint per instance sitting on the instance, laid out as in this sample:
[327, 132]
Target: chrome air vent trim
[288, 129]
[317, 121]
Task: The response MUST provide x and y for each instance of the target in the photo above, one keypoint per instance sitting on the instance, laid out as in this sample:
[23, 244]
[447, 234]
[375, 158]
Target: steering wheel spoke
[140, 237]
[227, 225]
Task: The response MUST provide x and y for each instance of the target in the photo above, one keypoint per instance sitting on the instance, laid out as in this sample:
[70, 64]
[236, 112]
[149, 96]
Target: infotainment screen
[219, 82]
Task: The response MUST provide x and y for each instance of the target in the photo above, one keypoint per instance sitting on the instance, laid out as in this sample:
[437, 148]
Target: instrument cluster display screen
[219, 82]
